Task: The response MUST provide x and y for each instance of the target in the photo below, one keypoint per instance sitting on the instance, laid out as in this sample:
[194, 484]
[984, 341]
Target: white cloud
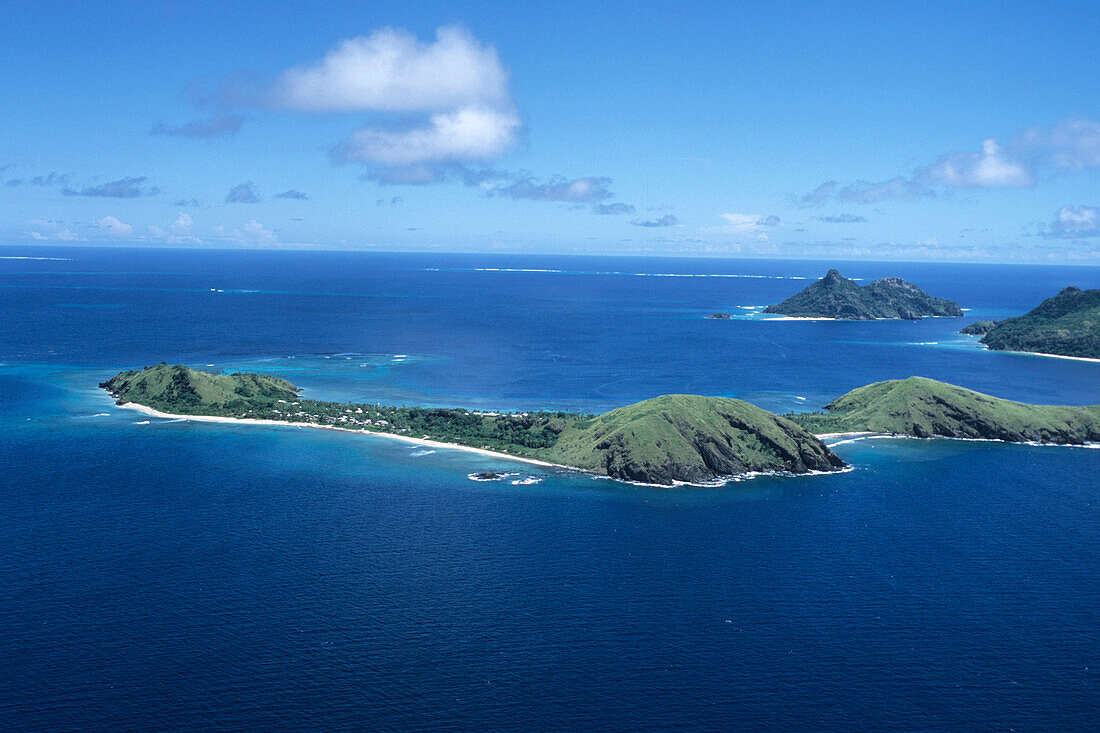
[747, 224]
[253, 232]
[183, 223]
[1070, 146]
[1075, 222]
[455, 89]
[391, 71]
[991, 168]
[462, 136]
[115, 228]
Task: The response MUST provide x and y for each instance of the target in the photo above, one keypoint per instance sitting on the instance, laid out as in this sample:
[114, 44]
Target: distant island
[665, 440]
[925, 408]
[1067, 324]
[835, 296]
[719, 316]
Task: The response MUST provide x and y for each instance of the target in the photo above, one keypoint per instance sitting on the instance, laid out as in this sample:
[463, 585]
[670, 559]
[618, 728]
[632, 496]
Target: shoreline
[718, 481]
[1052, 356]
[1032, 353]
[146, 410]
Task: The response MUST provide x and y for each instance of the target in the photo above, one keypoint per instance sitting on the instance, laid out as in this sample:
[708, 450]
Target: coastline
[1053, 356]
[146, 410]
[1035, 353]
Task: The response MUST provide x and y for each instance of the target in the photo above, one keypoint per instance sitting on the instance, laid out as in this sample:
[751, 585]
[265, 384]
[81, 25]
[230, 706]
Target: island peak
[835, 296]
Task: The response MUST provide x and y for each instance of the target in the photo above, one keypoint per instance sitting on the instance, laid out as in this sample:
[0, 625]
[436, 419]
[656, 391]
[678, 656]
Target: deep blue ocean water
[158, 574]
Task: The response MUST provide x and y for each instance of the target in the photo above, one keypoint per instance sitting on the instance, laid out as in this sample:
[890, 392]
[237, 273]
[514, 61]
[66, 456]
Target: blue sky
[848, 130]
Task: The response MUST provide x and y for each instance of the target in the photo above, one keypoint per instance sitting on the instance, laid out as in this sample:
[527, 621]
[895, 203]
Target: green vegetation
[180, 390]
[1067, 324]
[690, 438]
[978, 328]
[835, 296]
[925, 408]
[667, 439]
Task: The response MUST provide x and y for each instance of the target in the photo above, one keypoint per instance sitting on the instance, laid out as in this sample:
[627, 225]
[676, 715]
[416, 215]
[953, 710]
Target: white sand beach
[143, 409]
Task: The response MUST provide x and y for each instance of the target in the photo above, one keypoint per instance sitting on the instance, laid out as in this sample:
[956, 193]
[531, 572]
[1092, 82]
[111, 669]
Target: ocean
[160, 574]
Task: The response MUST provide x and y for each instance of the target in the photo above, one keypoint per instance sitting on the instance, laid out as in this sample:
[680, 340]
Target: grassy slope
[690, 438]
[925, 408]
[1066, 324]
[181, 390]
[835, 296]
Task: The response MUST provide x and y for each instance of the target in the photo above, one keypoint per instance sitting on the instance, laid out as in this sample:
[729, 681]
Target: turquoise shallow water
[166, 574]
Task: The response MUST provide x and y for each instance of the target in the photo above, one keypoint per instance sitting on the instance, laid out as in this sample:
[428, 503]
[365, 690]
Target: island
[665, 440]
[1067, 324]
[835, 296]
[719, 316]
[925, 408]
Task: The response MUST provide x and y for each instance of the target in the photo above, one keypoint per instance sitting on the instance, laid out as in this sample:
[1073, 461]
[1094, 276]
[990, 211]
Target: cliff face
[925, 408]
[835, 296]
[1067, 324]
[691, 439]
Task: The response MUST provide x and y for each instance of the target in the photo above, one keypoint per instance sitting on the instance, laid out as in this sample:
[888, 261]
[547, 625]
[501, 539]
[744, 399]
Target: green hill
[663, 440]
[1067, 324]
[835, 296]
[926, 408]
[181, 390]
[690, 438]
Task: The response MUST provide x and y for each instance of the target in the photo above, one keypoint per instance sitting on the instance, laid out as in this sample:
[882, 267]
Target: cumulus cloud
[842, 219]
[392, 71]
[183, 223]
[769, 221]
[991, 168]
[668, 220]
[291, 194]
[114, 228]
[124, 188]
[186, 202]
[253, 232]
[1075, 222]
[221, 124]
[434, 102]
[1070, 146]
[462, 136]
[242, 193]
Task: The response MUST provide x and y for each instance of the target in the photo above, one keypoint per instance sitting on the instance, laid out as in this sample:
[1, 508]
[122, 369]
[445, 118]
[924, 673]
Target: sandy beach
[143, 409]
[1053, 356]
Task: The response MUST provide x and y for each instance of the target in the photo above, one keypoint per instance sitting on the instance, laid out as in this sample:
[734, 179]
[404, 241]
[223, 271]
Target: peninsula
[665, 440]
[835, 296]
[925, 408]
[1067, 324]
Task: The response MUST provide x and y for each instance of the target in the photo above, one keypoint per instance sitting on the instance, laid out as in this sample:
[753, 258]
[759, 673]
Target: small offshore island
[665, 440]
[1067, 324]
[835, 296]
